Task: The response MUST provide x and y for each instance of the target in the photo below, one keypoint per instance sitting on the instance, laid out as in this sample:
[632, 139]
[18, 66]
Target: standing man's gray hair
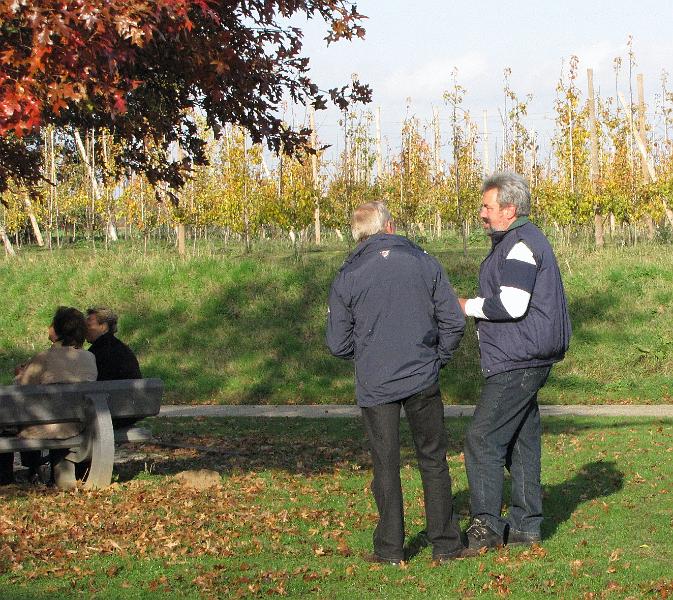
[369, 219]
[512, 190]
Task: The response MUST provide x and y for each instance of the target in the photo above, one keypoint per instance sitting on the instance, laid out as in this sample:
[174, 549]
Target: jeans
[425, 413]
[505, 432]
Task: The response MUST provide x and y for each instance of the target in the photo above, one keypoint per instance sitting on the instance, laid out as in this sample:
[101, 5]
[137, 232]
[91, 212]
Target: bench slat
[61, 403]
[124, 435]
[14, 444]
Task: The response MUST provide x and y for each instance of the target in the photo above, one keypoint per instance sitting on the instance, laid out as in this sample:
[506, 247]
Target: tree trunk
[599, 236]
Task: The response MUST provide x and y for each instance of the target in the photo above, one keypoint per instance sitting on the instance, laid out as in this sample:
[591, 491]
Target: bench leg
[101, 442]
[63, 470]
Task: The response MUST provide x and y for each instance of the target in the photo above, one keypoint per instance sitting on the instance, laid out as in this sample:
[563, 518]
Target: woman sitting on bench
[63, 362]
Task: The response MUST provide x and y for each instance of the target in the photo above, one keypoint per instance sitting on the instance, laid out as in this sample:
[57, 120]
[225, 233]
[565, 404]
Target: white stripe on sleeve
[521, 252]
[514, 300]
[474, 307]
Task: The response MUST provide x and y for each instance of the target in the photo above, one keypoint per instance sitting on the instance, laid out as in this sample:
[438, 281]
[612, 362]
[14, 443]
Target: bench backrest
[64, 402]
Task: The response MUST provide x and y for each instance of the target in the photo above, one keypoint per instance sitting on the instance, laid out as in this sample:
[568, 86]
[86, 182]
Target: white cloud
[428, 81]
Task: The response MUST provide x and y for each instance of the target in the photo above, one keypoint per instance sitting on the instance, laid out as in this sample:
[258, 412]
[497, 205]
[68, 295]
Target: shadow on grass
[313, 446]
[251, 331]
[256, 338]
[594, 480]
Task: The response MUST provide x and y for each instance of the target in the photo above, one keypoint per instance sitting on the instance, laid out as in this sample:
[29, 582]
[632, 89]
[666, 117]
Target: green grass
[225, 327]
[294, 513]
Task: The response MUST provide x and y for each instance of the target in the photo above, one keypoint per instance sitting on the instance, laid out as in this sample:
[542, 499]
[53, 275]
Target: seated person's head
[68, 327]
[99, 320]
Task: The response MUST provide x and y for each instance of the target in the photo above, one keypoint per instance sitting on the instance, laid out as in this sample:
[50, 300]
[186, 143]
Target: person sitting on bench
[64, 362]
[114, 359]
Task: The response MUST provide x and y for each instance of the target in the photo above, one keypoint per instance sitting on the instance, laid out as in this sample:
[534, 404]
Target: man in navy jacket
[523, 328]
[392, 310]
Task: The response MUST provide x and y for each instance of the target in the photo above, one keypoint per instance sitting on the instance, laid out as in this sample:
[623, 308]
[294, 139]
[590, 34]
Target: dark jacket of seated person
[114, 359]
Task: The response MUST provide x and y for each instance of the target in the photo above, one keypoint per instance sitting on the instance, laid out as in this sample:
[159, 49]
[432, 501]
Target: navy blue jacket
[392, 309]
[539, 338]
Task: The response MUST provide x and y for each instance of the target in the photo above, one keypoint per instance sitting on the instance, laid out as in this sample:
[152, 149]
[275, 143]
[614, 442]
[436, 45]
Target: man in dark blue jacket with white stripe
[392, 310]
[523, 329]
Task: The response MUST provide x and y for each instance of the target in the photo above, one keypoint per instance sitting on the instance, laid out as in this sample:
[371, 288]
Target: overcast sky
[411, 48]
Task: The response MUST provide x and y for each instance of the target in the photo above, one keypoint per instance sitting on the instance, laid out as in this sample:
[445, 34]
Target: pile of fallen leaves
[46, 532]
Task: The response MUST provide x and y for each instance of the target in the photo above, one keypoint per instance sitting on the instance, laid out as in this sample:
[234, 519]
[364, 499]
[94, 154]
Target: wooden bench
[95, 405]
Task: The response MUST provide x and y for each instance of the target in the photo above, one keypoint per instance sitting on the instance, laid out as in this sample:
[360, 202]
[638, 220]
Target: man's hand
[462, 302]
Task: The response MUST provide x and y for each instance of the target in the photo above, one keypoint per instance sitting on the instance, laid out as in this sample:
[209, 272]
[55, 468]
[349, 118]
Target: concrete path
[317, 411]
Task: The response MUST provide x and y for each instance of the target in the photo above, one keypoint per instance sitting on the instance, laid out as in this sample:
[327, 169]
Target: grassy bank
[294, 513]
[231, 328]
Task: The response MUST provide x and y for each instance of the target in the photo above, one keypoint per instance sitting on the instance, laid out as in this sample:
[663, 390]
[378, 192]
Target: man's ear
[390, 227]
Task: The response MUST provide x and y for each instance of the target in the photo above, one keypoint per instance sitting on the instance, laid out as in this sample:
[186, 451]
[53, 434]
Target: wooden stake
[111, 228]
[641, 123]
[594, 173]
[6, 241]
[650, 167]
[33, 222]
[487, 163]
[379, 156]
[314, 173]
[437, 165]
[641, 131]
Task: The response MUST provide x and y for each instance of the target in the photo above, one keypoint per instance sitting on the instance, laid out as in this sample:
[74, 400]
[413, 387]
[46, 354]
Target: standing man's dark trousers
[505, 432]
[425, 413]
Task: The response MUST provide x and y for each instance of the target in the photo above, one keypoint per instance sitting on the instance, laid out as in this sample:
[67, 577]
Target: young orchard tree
[410, 185]
[245, 190]
[141, 69]
[292, 209]
[351, 182]
[574, 201]
[518, 141]
[461, 190]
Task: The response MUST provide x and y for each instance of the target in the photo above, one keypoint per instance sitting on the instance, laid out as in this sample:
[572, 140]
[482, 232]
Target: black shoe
[521, 538]
[480, 537]
[445, 558]
[375, 558]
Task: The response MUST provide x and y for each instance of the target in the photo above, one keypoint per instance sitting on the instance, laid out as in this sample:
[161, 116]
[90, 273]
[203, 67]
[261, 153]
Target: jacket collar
[497, 236]
[377, 241]
[102, 340]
